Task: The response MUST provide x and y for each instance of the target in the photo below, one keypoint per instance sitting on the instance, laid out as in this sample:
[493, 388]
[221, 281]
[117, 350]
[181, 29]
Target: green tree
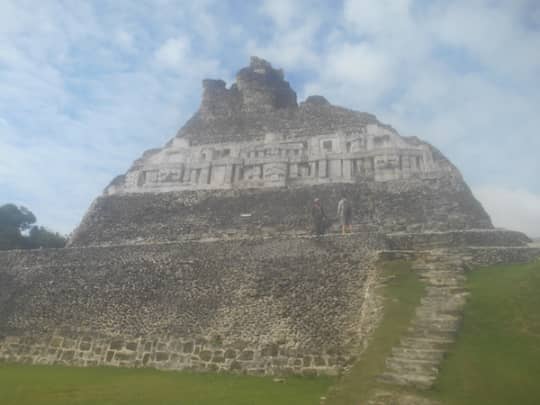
[14, 221]
[15, 217]
[41, 237]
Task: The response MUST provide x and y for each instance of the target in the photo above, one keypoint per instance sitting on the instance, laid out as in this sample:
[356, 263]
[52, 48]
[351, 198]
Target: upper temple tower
[254, 135]
[263, 88]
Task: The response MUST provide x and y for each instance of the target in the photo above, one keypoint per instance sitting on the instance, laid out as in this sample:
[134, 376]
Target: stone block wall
[452, 239]
[472, 256]
[169, 353]
[412, 206]
[265, 306]
[488, 256]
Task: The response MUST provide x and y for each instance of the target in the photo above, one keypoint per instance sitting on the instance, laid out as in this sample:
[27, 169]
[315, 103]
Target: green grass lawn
[402, 295]
[496, 359]
[20, 385]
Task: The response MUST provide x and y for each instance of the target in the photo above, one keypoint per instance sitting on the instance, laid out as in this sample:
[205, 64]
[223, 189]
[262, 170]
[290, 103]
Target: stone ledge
[456, 238]
[406, 206]
[262, 306]
[166, 353]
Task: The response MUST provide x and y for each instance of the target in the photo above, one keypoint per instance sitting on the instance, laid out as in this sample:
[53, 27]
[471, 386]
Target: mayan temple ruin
[201, 256]
[251, 159]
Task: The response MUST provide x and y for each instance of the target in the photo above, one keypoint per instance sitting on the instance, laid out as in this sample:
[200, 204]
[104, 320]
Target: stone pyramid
[252, 159]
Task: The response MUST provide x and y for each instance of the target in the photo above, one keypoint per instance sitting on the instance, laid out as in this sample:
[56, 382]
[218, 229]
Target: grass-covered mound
[496, 359]
[36, 385]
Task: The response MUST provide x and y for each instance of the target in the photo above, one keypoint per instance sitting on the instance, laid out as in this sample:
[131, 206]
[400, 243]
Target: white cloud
[290, 49]
[281, 12]
[377, 17]
[376, 48]
[125, 40]
[353, 74]
[294, 34]
[515, 209]
[173, 53]
[361, 64]
[176, 56]
[491, 32]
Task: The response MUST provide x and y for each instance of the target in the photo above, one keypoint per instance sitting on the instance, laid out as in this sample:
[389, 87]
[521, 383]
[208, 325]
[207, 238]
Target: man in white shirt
[344, 212]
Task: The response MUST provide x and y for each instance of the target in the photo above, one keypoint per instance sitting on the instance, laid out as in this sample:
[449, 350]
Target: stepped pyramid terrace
[252, 158]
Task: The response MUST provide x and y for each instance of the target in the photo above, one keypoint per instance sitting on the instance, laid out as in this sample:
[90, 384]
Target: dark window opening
[327, 146]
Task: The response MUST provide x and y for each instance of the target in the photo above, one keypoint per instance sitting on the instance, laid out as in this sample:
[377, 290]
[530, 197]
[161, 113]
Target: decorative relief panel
[377, 154]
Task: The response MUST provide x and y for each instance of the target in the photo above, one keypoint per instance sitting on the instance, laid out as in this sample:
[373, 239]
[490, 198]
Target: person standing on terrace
[344, 212]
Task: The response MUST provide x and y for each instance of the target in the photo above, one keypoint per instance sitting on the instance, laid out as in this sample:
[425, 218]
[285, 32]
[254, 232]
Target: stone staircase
[415, 361]
[398, 398]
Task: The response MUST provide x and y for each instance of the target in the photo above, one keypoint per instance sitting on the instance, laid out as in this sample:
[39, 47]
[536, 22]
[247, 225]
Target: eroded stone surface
[301, 305]
[252, 159]
[290, 305]
[411, 206]
[254, 134]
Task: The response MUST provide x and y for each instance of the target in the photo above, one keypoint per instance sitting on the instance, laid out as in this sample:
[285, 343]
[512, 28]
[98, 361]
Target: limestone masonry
[251, 160]
[263, 306]
[201, 256]
[254, 135]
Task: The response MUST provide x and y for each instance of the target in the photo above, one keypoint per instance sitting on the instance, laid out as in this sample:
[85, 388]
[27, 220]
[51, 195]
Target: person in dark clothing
[319, 217]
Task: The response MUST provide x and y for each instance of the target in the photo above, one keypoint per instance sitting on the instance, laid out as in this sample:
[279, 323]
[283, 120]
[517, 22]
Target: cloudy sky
[87, 86]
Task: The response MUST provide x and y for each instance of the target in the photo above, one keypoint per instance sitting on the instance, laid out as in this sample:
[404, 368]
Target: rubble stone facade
[254, 135]
[265, 306]
[251, 160]
[372, 153]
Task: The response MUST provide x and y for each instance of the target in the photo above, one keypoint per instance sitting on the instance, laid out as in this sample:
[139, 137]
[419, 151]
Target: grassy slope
[496, 359]
[402, 295]
[20, 385]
